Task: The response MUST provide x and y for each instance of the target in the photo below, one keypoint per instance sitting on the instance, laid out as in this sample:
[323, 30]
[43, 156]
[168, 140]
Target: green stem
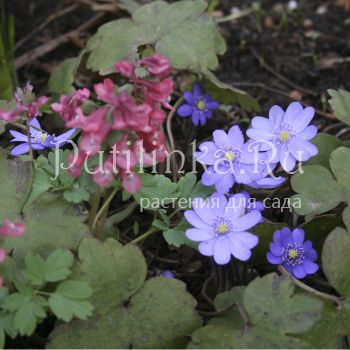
[145, 235]
[95, 202]
[104, 207]
[311, 290]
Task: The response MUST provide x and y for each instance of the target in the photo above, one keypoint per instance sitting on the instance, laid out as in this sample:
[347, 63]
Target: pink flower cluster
[26, 104]
[12, 229]
[138, 115]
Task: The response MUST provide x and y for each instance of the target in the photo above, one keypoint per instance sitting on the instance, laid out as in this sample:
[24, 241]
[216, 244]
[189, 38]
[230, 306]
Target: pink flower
[105, 92]
[68, 104]
[76, 163]
[157, 65]
[27, 102]
[104, 176]
[9, 116]
[125, 68]
[131, 182]
[13, 229]
[3, 255]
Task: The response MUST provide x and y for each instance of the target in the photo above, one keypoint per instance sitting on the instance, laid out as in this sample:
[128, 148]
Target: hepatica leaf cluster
[135, 214]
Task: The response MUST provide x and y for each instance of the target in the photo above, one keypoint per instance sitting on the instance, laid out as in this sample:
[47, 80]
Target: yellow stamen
[292, 253]
[222, 228]
[284, 135]
[200, 105]
[43, 137]
[230, 156]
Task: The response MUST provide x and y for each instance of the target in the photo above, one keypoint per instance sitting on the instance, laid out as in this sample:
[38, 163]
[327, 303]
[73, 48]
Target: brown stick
[53, 44]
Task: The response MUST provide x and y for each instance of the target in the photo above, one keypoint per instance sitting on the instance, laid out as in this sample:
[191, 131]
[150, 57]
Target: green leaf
[29, 310]
[16, 180]
[325, 144]
[62, 78]
[317, 190]
[340, 103]
[176, 236]
[181, 31]
[277, 317]
[35, 269]
[50, 223]
[227, 94]
[76, 195]
[68, 300]
[157, 190]
[129, 312]
[58, 265]
[188, 188]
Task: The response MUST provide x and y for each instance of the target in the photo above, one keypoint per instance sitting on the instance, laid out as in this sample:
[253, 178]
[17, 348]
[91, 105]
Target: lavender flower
[39, 139]
[289, 249]
[198, 104]
[230, 160]
[167, 274]
[286, 135]
[221, 227]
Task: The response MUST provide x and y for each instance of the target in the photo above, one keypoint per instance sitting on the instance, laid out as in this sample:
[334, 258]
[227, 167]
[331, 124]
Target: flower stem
[95, 201]
[145, 235]
[104, 207]
[29, 140]
[333, 298]
[171, 137]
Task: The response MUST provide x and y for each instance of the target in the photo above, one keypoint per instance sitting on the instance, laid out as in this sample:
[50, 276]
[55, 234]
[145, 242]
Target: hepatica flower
[221, 225]
[199, 106]
[39, 139]
[289, 249]
[230, 160]
[286, 135]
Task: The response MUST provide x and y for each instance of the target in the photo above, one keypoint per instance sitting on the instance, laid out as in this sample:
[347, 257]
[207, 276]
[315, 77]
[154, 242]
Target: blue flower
[286, 135]
[289, 249]
[167, 274]
[198, 104]
[39, 139]
[221, 225]
[230, 160]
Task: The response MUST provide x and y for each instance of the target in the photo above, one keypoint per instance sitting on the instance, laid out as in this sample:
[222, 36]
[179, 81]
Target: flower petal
[20, 149]
[62, 139]
[272, 259]
[308, 133]
[247, 221]
[184, 110]
[195, 220]
[298, 235]
[276, 249]
[276, 114]
[210, 177]
[247, 238]
[303, 119]
[310, 267]
[238, 249]
[286, 236]
[189, 98]
[18, 136]
[294, 109]
[197, 91]
[222, 252]
[298, 271]
[221, 139]
[262, 123]
[236, 205]
[225, 183]
[236, 136]
[207, 154]
[199, 234]
[212, 105]
[286, 159]
[207, 247]
[302, 149]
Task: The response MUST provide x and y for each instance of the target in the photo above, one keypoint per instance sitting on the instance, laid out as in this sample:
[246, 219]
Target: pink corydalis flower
[69, 103]
[27, 103]
[13, 229]
[3, 255]
[131, 182]
[157, 65]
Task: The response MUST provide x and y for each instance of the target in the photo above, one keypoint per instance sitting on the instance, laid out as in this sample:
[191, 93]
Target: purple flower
[251, 205]
[198, 104]
[286, 135]
[39, 139]
[221, 227]
[289, 249]
[230, 160]
[167, 274]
